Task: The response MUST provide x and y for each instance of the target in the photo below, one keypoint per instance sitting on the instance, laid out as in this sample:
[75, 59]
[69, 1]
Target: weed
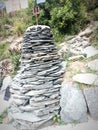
[93, 58]
[15, 60]
[4, 53]
[2, 116]
[83, 86]
[57, 119]
[19, 27]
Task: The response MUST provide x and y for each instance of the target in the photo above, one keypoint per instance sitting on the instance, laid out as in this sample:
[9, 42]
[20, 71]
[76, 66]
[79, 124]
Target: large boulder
[91, 96]
[73, 105]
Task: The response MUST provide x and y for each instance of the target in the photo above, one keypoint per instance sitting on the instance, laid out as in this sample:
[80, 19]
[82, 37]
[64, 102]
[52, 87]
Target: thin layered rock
[36, 88]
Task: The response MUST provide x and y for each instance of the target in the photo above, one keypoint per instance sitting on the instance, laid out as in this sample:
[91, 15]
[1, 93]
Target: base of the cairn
[20, 122]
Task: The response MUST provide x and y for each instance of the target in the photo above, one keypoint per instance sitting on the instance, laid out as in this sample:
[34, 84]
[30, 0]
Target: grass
[4, 52]
[15, 61]
[83, 86]
[17, 23]
[2, 116]
[57, 119]
[95, 44]
[93, 58]
[91, 71]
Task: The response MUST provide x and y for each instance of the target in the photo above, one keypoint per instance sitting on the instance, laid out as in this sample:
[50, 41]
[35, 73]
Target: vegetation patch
[15, 61]
[2, 116]
[57, 119]
[4, 52]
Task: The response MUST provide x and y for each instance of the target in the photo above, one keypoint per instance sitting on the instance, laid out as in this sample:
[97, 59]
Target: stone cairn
[35, 90]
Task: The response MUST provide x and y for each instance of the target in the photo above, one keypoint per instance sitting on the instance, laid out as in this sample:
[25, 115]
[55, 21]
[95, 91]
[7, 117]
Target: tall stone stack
[35, 90]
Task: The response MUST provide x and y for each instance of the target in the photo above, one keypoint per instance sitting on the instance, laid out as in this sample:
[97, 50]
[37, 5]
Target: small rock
[26, 108]
[78, 57]
[43, 103]
[86, 78]
[35, 93]
[86, 32]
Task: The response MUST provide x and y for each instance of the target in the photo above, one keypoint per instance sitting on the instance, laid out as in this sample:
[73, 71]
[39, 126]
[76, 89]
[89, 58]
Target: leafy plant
[19, 27]
[63, 16]
[15, 60]
[95, 14]
[4, 53]
[2, 116]
[57, 119]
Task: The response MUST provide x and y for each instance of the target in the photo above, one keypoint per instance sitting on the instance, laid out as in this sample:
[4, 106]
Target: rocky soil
[80, 79]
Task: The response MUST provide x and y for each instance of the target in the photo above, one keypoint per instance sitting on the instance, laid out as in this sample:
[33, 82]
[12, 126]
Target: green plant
[57, 119]
[5, 20]
[19, 27]
[67, 55]
[95, 14]
[4, 53]
[15, 60]
[2, 116]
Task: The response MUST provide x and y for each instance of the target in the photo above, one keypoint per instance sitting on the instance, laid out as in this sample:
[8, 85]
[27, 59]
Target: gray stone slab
[90, 51]
[28, 116]
[93, 65]
[44, 103]
[73, 105]
[86, 78]
[91, 96]
[6, 127]
[35, 92]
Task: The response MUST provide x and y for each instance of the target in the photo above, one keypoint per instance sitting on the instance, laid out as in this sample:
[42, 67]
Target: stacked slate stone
[35, 89]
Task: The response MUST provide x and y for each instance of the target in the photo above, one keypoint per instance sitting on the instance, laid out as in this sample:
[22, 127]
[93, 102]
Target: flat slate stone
[86, 78]
[6, 127]
[91, 96]
[73, 105]
[28, 116]
[35, 93]
[93, 65]
[26, 108]
[90, 51]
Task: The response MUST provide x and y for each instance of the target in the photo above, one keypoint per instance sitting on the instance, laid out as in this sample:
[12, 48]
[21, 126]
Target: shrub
[96, 14]
[5, 20]
[63, 16]
[19, 27]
